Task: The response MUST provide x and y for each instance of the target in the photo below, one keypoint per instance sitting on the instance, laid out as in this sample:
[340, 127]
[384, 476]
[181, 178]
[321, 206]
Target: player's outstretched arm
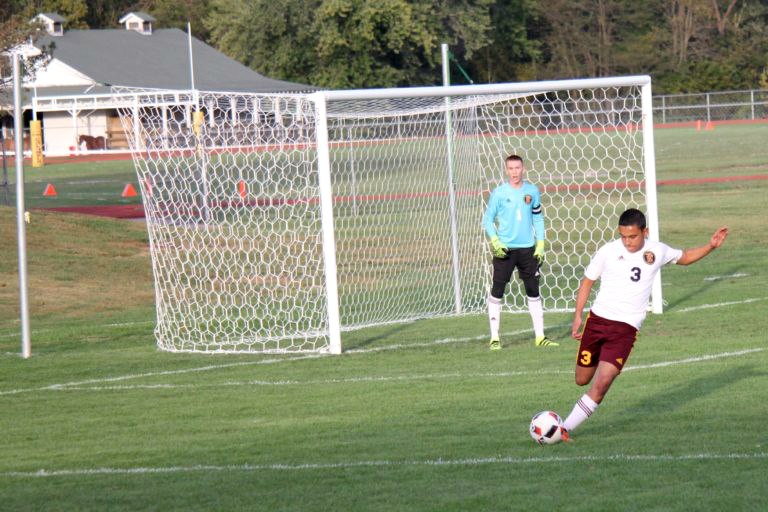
[693, 255]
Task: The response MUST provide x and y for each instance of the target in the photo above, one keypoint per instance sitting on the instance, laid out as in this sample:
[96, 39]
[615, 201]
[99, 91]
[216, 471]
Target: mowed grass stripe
[350, 380]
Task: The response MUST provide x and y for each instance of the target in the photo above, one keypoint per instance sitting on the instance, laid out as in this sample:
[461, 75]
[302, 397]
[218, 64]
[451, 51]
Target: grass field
[417, 416]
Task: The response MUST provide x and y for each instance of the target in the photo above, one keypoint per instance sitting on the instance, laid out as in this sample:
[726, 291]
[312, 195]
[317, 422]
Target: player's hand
[498, 249]
[719, 237]
[538, 251]
[576, 331]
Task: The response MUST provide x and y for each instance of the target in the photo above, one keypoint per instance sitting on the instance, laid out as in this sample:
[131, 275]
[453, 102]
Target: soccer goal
[278, 221]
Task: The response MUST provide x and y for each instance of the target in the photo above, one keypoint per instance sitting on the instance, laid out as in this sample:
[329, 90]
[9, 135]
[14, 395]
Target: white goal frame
[152, 160]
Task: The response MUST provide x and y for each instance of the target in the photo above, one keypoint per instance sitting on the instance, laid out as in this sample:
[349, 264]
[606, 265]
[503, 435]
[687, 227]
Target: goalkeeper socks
[494, 315]
[583, 409]
[537, 315]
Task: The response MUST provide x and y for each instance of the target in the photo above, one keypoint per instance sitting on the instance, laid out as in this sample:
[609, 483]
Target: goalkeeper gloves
[538, 251]
[498, 249]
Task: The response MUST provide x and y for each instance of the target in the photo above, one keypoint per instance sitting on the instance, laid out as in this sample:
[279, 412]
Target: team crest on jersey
[528, 199]
[649, 257]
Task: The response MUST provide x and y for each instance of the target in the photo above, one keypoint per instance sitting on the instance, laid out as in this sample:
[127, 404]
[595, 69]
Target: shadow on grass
[383, 333]
[707, 285]
[675, 397]
[560, 333]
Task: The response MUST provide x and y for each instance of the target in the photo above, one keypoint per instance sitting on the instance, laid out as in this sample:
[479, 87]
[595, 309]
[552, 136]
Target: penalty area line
[617, 458]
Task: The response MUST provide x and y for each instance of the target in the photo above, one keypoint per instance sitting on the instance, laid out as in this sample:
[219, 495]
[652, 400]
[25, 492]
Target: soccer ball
[547, 428]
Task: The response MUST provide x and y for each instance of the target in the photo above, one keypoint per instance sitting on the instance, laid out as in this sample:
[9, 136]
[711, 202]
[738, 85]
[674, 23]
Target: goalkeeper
[514, 223]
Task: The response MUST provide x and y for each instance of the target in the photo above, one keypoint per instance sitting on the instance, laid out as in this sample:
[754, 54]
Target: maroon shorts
[605, 340]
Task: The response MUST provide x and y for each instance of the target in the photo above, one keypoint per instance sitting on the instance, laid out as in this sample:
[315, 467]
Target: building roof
[119, 57]
[52, 16]
[137, 14]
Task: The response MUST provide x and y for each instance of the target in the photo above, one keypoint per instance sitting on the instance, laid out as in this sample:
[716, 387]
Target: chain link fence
[711, 106]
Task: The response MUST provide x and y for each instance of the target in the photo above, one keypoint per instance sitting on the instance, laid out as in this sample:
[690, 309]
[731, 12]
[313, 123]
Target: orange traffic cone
[129, 191]
[241, 189]
[698, 125]
[709, 126]
[50, 190]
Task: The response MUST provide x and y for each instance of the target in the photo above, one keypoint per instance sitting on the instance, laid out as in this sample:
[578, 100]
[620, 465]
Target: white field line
[719, 305]
[618, 458]
[729, 276]
[16, 334]
[79, 384]
[697, 359]
[101, 326]
[281, 360]
[84, 385]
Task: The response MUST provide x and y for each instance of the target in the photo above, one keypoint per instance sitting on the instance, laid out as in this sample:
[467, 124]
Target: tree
[686, 20]
[106, 13]
[395, 42]
[464, 25]
[722, 18]
[348, 43]
[177, 13]
[274, 37]
[514, 49]
[16, 29]
[582, 35]
[75, 11]
[372, 44]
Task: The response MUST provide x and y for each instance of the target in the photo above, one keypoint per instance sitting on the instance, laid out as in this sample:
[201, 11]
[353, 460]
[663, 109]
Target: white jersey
[626, 279]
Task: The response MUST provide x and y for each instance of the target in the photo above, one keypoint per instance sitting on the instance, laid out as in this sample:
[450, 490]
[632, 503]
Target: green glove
[538, 252]
[498, 249]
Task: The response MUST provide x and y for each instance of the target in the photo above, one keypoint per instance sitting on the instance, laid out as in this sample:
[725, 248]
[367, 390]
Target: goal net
[278, 221]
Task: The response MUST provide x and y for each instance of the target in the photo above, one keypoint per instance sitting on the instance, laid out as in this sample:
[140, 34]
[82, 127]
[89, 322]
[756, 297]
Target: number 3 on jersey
[586, 358]
[635, 274]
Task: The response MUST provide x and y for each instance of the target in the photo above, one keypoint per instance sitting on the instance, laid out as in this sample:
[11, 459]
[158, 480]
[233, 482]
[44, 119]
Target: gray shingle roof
[160, 60]
[53, 17]
[141, 15]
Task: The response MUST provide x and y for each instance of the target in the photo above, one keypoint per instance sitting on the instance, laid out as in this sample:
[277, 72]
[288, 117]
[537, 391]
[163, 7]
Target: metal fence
[711, 106]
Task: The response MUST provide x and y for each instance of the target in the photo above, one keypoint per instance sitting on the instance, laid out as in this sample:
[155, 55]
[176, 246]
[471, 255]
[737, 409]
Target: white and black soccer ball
[547, 428]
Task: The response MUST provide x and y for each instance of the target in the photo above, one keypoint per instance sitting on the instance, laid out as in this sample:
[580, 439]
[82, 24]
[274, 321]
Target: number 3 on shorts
[586, 358]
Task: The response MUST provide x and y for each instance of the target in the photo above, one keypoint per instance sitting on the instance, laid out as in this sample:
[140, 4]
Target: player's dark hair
[632, 217]
[511, 158]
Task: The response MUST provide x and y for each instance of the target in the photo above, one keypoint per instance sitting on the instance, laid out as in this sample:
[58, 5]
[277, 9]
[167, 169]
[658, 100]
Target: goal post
[279, 221]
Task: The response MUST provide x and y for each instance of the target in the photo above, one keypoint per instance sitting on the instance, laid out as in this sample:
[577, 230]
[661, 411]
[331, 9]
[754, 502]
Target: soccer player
[626, 268]
[514, 223]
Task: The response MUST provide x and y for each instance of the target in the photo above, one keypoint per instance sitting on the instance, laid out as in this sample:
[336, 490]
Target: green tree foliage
[75, 11]
[16, 28]
[583, 35]
[274, 37]
[685, 45]
[177, 13]
[106, 13]
[361, 44]
[348, 43]
[514, 49]
[705, 46]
